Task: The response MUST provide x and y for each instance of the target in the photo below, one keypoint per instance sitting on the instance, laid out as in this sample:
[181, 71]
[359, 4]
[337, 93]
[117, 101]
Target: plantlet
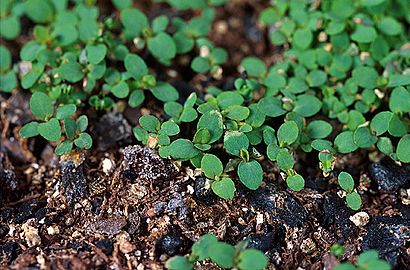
[48, 124]
[220, 253]
[368, 260]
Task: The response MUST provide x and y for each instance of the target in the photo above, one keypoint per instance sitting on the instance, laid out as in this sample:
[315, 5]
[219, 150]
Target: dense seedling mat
[207, 133]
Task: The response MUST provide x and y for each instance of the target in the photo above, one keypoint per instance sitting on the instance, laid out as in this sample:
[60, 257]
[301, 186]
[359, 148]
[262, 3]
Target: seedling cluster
[222, 254]
[343, 83]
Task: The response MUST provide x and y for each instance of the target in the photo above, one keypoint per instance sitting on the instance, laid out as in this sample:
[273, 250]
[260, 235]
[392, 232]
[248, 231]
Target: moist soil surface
[120, 206]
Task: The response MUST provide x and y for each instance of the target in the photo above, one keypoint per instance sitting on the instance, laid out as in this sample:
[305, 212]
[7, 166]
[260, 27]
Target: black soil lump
[279, 204]
[73, 183]
[143, 165]
[336, 212]
[389, 176]
[390, 236]
[112, 128]
[203, 191]
[170, 244]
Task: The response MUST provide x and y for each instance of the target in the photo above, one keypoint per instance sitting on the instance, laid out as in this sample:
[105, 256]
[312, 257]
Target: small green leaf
[397, 127]
[96, 53]
[84, 141]
[237, 112]
[389, 26]
[302, 38]
[200, 64]
[385, 145]
[121, 89]
[165, 92]
[346, 182]
[64, 147]
[156, 46]
[179, 263]
[201, 248]
[344, 142]
[150, 123]
[271, 107]
[202, 136]
[252, 259]
[403, 149]
[222, 254]
[170, 128]
[72, 72]
[211, 165]
[136, 98]
[135, 66]
[354, 201]
[41, 105]
[134, 22]
[288, 132]
[285, 160]
[364, 138]
[254, 66]
[212, 121]
[224, 188]
[70, 128]
[229, 98]
[39, 11]
[307, 105]
[182, 149]
[380, 123]
[316, 78]
[65, 111]
[250, 173]
[234, 141]
[364, 34]
[319, 129]
[82, 123]
[29, 130]
[400, 100]
[50, 130]
[295, 182]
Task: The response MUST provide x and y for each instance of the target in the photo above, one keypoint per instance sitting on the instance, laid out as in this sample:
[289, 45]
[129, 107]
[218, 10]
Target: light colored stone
[360, 219]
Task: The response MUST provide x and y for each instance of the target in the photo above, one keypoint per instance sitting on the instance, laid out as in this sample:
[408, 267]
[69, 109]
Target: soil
[120, 206]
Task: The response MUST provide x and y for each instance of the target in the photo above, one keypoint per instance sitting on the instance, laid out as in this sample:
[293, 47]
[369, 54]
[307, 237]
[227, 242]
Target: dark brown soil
[119, 206]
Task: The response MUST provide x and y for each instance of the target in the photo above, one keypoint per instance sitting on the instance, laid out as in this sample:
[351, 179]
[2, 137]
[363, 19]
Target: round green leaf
[252, 259]
[344, 142]
[156, 46]
[170, 128]
[234, 141]
[307, 105]
[136, 98]
[182, 149]
[150, 123]
[237, 112]
[211, 165]
[135, 66]
[403, 149]
[364, 34]
[400, 100]
[346, 182]
[380, 122]
[271, 107]
[222, 254]
[285, 160]
[212, 121]
[178, 263]
[71, 72]
[389, 26]
[354, 201]
[224, 188]
[319, 129]
[288, 132]
[50, 130]
[165, 92]
[302, 38]
[10, 27]
[250, 173]
[365, 77]
[41, 105]
[254, 66]
[64, 148]
[96, 53]
[39, 11]
[397, 127]
[5, 58]
[65, 111]
[295, 182]
[134, 21]
[385, 145]
[84, 141]
[121, 89]
[29, 130]
[364, 138]
[200, 64]
[316, 78]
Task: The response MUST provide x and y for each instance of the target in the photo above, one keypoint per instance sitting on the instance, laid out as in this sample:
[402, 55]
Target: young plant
[346, 182]
[49, 127]
[368, 260]
[220, 253]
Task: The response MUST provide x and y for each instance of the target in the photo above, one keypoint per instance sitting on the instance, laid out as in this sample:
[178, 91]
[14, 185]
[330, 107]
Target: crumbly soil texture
[120, 206]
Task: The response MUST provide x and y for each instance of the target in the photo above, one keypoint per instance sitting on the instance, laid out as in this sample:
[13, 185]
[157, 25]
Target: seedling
[346, 182]
[220, 253]
[367, 260]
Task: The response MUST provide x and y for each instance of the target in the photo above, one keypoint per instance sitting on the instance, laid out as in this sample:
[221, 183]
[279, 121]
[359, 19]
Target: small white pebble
[107, 165]
[360, 219]
[259, 218]
[190, 189]
[52, 230]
